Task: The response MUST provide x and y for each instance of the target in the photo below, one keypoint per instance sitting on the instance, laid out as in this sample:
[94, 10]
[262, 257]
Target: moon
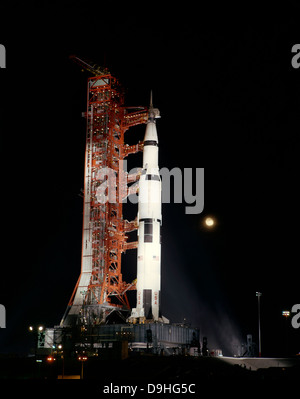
[209, 221]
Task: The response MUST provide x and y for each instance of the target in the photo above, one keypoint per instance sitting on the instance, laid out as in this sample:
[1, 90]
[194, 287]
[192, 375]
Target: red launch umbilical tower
[100, 288]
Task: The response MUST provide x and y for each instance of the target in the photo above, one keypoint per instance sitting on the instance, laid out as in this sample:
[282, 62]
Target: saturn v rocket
[149, 223]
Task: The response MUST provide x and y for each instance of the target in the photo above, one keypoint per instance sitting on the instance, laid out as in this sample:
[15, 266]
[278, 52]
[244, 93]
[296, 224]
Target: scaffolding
[100, 288]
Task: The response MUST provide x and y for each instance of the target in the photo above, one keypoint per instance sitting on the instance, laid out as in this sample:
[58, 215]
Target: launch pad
[119, 340]
[87, 325]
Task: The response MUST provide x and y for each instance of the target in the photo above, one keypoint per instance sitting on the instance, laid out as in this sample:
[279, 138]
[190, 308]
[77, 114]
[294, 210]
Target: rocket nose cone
[151, 132]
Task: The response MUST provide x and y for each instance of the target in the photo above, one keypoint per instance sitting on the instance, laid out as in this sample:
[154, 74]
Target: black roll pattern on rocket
[149, 224]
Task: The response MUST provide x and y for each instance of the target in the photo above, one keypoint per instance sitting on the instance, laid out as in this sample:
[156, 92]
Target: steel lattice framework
[100, 288]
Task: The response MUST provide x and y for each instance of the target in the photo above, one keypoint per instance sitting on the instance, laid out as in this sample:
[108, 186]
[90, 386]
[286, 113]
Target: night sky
[230, 102]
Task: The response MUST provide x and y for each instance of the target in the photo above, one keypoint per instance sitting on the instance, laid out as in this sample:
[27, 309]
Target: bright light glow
[41, 328]
[209, 221]
[286, 313]
[30, 328]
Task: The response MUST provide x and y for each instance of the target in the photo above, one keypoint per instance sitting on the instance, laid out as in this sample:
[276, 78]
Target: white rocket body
[149, 222]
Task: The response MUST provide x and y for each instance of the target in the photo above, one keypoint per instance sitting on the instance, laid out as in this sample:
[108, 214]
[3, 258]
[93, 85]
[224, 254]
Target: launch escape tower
[100, 288]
